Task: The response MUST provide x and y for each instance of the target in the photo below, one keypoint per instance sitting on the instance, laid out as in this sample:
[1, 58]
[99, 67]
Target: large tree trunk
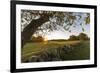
[31, 28]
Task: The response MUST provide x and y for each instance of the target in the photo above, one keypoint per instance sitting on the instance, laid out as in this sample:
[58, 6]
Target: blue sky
[63, 34]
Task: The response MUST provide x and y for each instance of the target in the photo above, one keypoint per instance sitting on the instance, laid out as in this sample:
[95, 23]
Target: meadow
[55, 51]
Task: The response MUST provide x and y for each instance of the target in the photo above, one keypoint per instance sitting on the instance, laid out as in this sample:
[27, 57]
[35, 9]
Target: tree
[35, 21]
[73, 37]
[83, 36]
[37, 39]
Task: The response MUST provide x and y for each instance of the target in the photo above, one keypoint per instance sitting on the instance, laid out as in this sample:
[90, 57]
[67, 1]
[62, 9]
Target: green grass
[80, 52]
[81, 49]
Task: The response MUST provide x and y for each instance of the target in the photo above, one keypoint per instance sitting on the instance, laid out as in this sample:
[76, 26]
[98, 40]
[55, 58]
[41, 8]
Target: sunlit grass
[82, 51]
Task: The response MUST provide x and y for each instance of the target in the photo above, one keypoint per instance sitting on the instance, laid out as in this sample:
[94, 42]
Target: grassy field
[80, 50]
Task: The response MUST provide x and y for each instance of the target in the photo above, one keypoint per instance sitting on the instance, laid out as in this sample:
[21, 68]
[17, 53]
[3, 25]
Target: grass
[80, 52]
[81, 49]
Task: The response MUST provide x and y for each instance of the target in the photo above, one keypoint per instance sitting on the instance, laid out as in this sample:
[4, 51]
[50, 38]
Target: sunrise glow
[45, 39]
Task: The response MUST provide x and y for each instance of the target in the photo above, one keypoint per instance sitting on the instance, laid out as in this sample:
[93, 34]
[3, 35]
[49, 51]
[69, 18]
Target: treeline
[81, 36]
[37, 39]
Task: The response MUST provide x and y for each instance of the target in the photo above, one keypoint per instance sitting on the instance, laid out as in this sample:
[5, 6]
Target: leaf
[81, 24]
[87, 21]
[83, 29]
[69, 30]
[79, 16]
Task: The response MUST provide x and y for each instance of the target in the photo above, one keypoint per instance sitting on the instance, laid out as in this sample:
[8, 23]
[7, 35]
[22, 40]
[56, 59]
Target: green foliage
[81, 36]
[87, 20]
[37, 39]
[73, 37]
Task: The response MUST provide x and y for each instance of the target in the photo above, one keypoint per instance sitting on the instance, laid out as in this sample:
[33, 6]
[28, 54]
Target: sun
[45, 39]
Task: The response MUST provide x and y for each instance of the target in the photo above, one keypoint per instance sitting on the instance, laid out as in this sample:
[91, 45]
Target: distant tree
[83, 36]
[40, 39]
[73, 37]
[37, 39]
[33, 39]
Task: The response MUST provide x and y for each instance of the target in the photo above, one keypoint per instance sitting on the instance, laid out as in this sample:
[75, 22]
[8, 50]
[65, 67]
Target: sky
[62, 34]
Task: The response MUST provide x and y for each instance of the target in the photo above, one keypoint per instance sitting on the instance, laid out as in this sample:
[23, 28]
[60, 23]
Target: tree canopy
[55, 19]
[83, 36]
